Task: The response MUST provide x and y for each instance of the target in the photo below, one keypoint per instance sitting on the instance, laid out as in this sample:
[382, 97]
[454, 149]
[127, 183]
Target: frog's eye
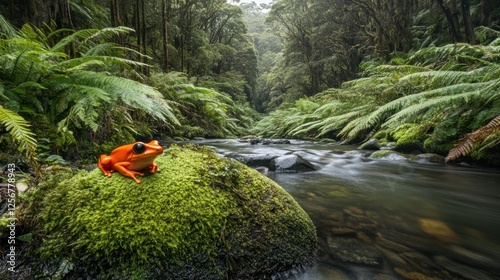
[139, 148]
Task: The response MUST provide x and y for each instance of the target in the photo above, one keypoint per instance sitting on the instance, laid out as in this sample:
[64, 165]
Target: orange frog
[130, 159]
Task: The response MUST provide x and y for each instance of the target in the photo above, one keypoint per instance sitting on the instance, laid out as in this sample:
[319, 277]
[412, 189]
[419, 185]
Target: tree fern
[472, 139]
[20, 131]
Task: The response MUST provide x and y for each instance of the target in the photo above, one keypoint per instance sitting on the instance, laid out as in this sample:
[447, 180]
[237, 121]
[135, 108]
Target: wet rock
[384, 277]
[372, 144]
[474, 258]
[387, 155]
[354, 211]
[254, 141]
[262, 169]
[357, 154]
[291, 164]
[388, 244]
[389, 146]
[413, 275]
[462, 270]
[341, 231]
[439, 229]
[280, 141]
[393, 258]
[422, 263]
[353, 251]
[198, 139]
[340, 192]
[415, 242]
[429, 158]
[254, 160]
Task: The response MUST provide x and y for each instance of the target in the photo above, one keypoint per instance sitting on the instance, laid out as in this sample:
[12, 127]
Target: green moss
[382, 134]
[409, 137]
[201, 216]
[385, 154]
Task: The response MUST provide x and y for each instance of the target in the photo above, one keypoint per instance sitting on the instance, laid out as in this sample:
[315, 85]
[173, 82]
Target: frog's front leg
[153, 168]
[122, 168]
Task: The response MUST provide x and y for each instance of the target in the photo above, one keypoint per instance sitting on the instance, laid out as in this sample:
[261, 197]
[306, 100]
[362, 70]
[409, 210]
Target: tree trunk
[143, 32]
[454, 30]
[469, 28]
[65, 15]
[165, 35]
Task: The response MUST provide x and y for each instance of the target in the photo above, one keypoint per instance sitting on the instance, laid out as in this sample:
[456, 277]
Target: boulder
[372, 144]
[291, 164]
[254, 160]
[201, 217]
[387, 155]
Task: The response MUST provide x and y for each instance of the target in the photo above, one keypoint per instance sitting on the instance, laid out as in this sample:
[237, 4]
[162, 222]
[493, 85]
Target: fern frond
[19, 129]
[6, 29]
[72, 38]
[430, 103]
[472, 139]
[445, 78]
[81, 63]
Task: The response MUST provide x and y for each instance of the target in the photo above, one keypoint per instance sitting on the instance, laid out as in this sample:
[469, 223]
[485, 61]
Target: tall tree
[165, 34]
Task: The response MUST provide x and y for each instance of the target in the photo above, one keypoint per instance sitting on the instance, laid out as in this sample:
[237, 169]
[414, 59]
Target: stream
[390, 219]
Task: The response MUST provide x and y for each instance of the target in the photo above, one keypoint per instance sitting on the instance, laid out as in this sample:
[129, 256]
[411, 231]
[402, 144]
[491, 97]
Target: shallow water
[381, 219]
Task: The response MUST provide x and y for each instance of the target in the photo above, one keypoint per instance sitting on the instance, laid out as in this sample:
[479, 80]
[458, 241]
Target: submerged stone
[201, 217]
[354, 251]
[429, 158]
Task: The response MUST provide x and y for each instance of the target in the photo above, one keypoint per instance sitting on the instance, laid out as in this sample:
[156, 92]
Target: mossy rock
[387, 155]
[201, 217]
[409, 138]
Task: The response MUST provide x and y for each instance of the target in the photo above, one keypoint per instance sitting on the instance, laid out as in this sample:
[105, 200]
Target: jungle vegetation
[78, 77]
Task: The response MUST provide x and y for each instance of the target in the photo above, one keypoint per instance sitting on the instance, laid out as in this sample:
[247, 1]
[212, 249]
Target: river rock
[291, 164]
[429, 158]
[280, 141]
[389, 146]
[354, 251]
[372, 144]
[462, 270]
[387, 155]
[438, 229]
[413, 275]
[254, 160]
[474, 258]
[201, 217]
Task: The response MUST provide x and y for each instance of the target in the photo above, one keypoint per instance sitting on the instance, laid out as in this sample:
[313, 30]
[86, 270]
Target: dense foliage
[424, 102]
[93, 86]
[85, 70]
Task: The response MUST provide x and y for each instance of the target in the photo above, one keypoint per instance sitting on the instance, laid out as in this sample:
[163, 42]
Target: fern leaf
[472, 139]
[6, 29]
[18, 128]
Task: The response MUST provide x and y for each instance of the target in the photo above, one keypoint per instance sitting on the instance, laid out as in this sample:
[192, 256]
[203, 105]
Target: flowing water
[390, 219]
